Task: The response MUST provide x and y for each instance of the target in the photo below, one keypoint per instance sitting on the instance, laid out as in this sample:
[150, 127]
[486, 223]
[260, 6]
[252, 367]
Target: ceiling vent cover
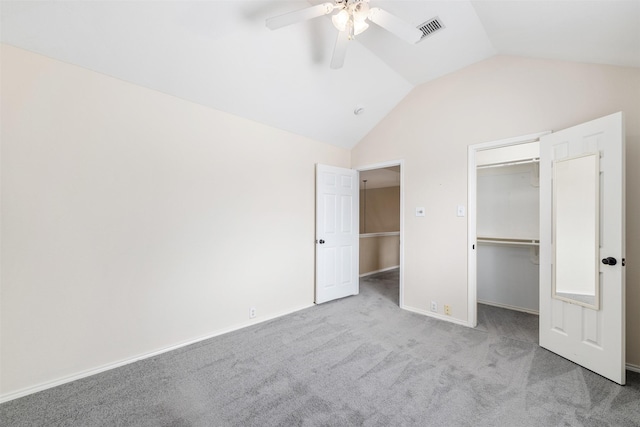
[431, 26]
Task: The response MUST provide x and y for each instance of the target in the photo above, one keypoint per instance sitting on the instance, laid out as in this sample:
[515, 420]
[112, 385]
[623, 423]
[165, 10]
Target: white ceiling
[380, 178]
[220, 54]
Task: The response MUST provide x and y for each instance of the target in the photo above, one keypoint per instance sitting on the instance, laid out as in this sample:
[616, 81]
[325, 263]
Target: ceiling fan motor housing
[353, 6]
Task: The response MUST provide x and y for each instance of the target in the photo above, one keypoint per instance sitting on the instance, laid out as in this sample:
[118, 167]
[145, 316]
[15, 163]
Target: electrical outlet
[252, 312]
[434, 306]
[447, 310]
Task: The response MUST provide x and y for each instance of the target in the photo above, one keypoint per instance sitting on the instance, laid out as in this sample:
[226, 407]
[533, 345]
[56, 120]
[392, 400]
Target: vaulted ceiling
[220, 54]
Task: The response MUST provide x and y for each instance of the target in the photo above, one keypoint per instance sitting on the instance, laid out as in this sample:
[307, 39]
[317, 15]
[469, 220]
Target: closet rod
[508, 241]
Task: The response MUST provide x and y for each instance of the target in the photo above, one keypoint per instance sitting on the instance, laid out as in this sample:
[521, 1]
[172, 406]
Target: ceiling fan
[350, 21]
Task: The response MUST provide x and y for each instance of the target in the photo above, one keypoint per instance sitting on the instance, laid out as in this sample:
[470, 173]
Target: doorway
[581, 299]
[380, 258]
[507, 241]
[503, 227]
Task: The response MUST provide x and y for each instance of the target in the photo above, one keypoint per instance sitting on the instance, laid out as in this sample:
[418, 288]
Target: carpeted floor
[508, 323]
[357, 361]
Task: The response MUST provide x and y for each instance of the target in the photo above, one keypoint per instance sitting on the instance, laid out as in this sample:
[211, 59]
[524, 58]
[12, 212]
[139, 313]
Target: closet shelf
[508, 241]
[534, 160]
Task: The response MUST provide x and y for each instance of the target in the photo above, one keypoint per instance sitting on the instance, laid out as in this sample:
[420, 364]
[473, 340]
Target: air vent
[431, 26]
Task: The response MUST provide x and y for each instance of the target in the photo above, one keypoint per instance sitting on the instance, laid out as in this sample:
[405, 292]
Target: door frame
[472, 198]
[383, 165]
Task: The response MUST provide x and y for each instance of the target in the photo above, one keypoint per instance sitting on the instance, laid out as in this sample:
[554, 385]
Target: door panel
[337, 233]
[591, 337]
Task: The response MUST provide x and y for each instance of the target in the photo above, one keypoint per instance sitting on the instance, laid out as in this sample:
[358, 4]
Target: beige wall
[382, 215]
[494, 99]
[379, 253]
[382, 210]
[133, 221]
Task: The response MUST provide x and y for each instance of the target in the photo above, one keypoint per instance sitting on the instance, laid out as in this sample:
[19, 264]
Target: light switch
[460, 210]
[419, 211]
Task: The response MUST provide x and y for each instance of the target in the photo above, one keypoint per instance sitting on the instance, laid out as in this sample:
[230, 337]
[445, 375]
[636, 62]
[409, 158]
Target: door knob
[322, 242]
[609, 261]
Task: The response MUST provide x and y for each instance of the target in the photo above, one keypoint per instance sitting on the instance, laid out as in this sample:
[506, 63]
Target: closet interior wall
[508, 228]
[379, 220]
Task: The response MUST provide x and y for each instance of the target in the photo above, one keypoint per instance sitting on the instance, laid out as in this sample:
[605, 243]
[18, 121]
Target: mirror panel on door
[576, 197]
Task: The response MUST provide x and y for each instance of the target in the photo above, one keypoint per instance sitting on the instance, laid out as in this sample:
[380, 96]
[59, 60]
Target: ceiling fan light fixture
[340, 20]
[352, 18]
[352, 21]
[360, 11]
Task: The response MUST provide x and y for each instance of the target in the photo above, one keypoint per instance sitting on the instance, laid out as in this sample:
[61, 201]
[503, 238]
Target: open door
[582, 247]
[337, 233]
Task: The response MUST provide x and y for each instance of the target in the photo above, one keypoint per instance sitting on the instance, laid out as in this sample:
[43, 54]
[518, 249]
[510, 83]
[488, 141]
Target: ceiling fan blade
[299, 15]
[340, 50]
[394, 25]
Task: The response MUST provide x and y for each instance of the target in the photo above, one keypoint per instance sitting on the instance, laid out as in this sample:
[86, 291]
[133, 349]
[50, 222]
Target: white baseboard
[634, 368]
[436, 315]
[509, 307]
[380, 271]
[87, 373]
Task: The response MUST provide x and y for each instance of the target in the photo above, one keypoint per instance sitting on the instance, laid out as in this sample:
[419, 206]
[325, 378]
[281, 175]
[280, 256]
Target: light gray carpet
[508, 323]
[356, 361]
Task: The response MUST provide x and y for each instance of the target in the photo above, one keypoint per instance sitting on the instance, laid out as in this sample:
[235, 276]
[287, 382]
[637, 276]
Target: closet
[508, 201]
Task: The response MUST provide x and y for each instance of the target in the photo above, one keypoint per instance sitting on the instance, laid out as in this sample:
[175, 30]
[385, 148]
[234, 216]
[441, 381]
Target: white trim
[89, 372]
[472, 261]
[382, 165]
[509, 307]
[383, 234]
[516, 140]
[472, 312]
[437, 316]
[387, 164]
[634, 368]
[379, 271]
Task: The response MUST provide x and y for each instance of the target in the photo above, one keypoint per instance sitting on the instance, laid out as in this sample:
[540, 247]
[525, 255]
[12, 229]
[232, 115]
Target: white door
[590, 334]
[337, 233]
